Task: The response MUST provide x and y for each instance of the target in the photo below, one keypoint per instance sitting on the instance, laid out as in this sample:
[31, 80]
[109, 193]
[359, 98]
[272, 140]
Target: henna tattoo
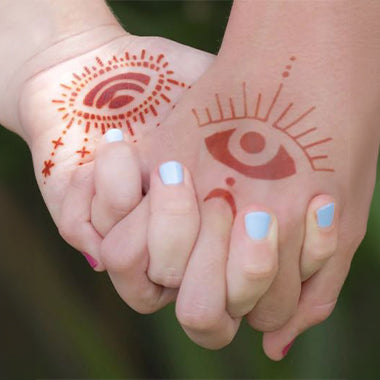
[224, 194]
[282, 165]
[139, 86]
[252, 143]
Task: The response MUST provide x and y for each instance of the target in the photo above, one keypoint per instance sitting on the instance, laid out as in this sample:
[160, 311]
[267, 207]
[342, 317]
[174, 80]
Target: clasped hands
[167, 211]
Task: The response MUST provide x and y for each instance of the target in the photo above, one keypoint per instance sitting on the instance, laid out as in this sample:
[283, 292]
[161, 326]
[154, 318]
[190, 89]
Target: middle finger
[201, 301]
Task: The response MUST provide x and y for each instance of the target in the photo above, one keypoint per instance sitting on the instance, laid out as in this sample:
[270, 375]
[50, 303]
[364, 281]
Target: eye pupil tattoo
[252, 142]
[136, 86]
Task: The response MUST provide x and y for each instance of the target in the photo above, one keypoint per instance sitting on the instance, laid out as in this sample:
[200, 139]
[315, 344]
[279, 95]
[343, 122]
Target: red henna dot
[288, 67]
[285, 74]
[230, 181]
[293, 58]
[252, 142]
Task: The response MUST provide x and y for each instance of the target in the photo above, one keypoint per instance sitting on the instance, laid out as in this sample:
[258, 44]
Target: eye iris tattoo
[139, 88]
[282, 164]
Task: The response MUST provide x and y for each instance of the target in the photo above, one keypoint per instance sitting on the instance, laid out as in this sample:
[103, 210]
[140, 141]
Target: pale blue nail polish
[257, 224]
[171, 173]
[325, 215]
[114, 135]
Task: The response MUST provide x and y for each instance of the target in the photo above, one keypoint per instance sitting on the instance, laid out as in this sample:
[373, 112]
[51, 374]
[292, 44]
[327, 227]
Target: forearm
[32, 38]
[336, 45]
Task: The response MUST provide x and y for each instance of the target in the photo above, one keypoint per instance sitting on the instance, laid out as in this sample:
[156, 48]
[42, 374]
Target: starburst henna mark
[252, 143]
[117, 93]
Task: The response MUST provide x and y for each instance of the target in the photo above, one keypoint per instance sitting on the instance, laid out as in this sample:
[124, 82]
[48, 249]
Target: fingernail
[325, 215]
[257, 224]
[171, 173]
[287, 348]
[90, 259]
[114, 135]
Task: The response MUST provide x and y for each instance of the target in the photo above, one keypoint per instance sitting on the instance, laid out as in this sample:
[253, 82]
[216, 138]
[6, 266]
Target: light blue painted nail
[171, 173]
[325, 215]
[114, 135]
[257, 224]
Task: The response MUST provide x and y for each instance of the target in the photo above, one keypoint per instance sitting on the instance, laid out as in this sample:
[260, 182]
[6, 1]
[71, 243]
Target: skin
[70, 195]
[287, 308]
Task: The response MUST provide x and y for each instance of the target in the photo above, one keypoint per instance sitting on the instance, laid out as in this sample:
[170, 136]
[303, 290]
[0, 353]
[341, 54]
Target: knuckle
[116, 259]
[68, 229]
[168, 277]
[322, 254]
[120, 203]
[176, 207]
[268, 320]
[198, 317]
[256, 272]
[319, 313]
[265, 324]
[145, 306]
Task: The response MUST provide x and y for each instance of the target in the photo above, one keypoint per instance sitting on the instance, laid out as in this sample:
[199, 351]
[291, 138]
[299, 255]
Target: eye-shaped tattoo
[117, 93]
[250, 143]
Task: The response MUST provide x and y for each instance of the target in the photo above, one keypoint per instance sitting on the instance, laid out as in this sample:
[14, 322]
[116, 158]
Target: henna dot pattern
[119, 92]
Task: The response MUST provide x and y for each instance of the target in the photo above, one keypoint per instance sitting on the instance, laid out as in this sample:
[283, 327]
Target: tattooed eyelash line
[255, 114]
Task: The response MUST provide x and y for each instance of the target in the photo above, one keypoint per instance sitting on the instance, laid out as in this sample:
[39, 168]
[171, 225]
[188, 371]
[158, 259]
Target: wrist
[56, 31]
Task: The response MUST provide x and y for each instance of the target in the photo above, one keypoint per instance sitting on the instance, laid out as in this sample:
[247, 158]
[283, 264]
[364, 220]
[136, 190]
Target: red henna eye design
[126, 92]
[280, 166]
[247, 143]
[271, 120]
[105, 92]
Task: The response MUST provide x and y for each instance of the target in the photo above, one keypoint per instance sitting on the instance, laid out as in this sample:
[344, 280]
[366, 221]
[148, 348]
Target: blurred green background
[61, 320]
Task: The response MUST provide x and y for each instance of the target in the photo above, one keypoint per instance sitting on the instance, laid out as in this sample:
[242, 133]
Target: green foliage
[61, 320]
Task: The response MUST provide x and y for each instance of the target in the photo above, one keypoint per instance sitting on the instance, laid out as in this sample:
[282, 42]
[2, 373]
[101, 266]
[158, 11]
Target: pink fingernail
[90, 260]
[287, 348]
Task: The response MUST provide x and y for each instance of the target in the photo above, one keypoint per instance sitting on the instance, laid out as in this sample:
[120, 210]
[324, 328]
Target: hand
[130, 83]
[200, 144]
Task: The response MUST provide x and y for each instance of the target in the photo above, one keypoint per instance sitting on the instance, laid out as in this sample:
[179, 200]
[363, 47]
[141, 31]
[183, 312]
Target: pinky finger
[318, 298]
[75, 220]
[321, 236]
